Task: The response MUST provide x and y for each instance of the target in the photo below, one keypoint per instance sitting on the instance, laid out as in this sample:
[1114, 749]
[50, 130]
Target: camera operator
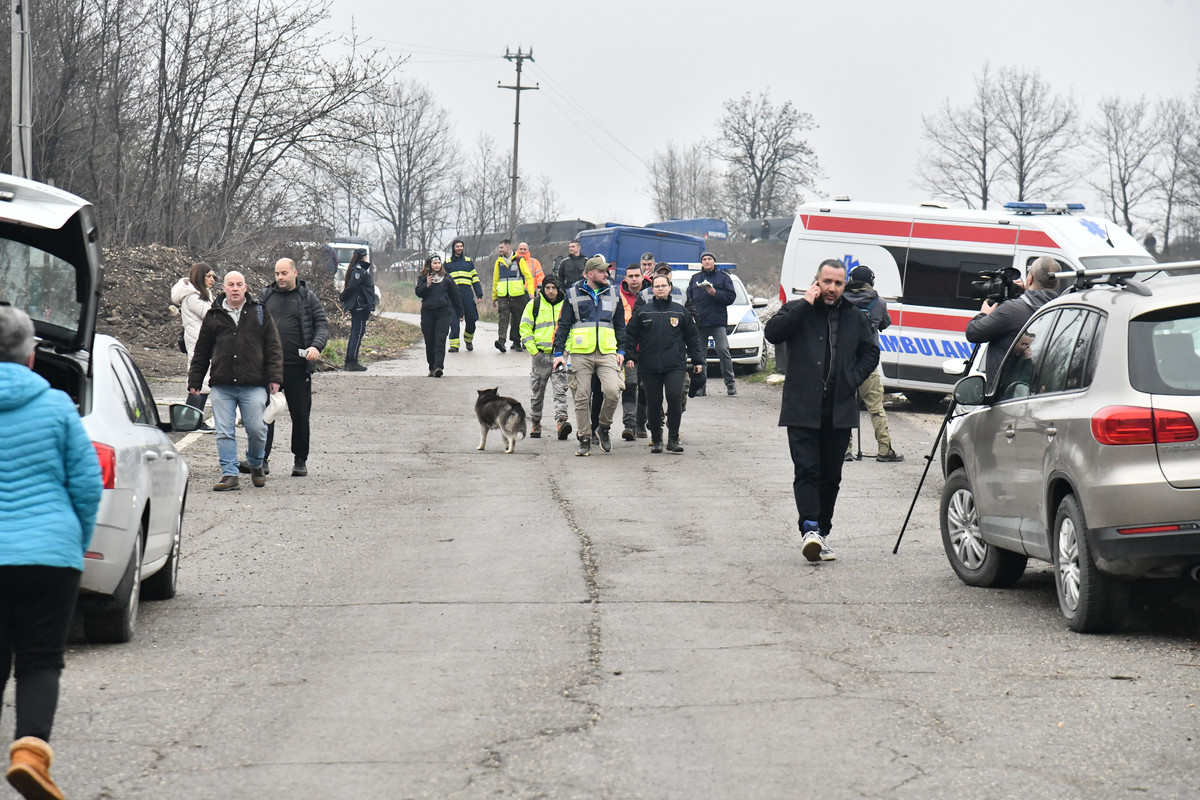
[998, 325]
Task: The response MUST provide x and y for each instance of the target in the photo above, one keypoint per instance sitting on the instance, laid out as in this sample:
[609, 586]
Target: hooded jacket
[192, 308]
[1000, 328]
[245, 354]
[462, 271]
[864, 297]
[50, 485]
[809, 331]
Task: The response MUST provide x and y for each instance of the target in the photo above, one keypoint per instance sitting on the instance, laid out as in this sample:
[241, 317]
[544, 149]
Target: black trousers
[817, 455]
[36, 603]
[297, 387]
[655, 383]
[435, 325]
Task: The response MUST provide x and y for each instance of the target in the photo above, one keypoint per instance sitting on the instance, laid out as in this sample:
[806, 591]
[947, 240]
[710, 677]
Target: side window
[1016, 373]
[1087, 351]
[139, 401]
[1066, 345]
[939, 278]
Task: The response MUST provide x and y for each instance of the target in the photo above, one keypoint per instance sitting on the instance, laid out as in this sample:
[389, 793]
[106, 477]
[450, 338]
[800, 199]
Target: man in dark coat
[303, 332]
[830, 351]
[711, 292]
[239, 339]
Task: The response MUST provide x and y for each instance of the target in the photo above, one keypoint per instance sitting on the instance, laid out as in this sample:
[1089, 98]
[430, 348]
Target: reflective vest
[538, 322]
[596, 334]
[508, 280]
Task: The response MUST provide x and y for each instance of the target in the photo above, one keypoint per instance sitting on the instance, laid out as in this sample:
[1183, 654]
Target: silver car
[50, 265]
[1084, 451]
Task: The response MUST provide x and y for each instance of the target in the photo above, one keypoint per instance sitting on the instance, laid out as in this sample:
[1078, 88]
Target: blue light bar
[1025, 206]
[1049, 208]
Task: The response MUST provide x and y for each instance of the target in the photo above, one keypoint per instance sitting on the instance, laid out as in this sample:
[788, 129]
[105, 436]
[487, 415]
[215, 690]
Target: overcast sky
[619, 79]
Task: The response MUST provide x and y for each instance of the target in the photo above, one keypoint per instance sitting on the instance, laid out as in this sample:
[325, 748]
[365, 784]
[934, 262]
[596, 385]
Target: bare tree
[482, 190]
[542, 204]
[414, 165]
[1038, 132]
[964, 161]
[1127, 135]
[768, 160]
[684, 183]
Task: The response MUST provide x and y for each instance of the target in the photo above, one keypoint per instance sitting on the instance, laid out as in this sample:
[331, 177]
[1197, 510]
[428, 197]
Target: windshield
[344, 254]
[41, 284]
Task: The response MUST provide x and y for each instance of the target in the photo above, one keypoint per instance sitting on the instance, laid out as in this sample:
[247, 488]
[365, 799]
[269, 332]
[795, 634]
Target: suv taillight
[108, 464]
[1136, 425]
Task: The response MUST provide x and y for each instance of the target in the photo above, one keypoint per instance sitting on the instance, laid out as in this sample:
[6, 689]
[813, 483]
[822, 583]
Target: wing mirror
[969, 391]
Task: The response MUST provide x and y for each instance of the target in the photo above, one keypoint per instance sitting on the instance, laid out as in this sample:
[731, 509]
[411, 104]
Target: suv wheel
[1091, 601]
[976, 562]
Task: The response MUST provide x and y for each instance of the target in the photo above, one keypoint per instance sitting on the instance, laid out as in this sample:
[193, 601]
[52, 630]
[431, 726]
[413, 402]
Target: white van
[925, 259]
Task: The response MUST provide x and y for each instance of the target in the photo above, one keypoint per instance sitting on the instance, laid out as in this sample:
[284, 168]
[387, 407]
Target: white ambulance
[925, 259]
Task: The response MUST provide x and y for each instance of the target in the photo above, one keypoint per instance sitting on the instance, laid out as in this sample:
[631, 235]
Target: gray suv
[1084, 451]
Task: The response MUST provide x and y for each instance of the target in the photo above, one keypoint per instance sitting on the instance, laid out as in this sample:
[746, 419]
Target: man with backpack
[860, 292]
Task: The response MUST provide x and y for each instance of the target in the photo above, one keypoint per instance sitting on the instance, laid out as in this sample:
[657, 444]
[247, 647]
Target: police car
[743, 328]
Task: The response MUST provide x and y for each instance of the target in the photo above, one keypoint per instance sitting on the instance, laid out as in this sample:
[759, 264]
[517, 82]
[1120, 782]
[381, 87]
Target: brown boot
[29, 772]
[536, 431]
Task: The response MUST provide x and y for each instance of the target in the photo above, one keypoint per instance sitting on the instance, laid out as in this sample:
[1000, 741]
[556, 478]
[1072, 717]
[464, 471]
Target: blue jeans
[226, 400]
[358, 328]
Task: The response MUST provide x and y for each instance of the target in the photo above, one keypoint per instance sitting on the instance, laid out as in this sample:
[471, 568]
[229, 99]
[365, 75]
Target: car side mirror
[184, 418]
[759, 302]
[969, 391]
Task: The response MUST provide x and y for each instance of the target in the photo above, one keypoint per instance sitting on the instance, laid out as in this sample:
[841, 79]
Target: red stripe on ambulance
[1000, 235]
[933, 322]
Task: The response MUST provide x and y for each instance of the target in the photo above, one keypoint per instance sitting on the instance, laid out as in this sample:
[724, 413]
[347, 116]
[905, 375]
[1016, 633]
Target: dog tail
[520, 431]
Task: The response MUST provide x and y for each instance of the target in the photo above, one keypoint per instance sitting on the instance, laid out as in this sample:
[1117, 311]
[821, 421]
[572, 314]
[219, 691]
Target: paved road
[418, 619]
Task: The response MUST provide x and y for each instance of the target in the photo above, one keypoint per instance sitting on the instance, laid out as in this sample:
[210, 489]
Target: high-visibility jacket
[462, 272]
[592, 328]
[510, 278]
[535, 269]
[538, 321]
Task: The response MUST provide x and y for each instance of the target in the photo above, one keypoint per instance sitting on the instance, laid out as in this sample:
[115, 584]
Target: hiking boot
[673, 445]
[536, 431]
[585, 447]
[641, 432]
[227, 483]
[354, 366]
[628, 435]
[29, 770]
[300, 469]
[500, 346]
[470, 346]
[517, 347]
[454, 349]
[605, 441]
[258, 477]
[564, 430]
[890, 457]
[656, 445]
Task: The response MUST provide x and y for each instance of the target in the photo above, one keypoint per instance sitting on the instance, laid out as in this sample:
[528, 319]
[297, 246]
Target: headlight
[748, 327]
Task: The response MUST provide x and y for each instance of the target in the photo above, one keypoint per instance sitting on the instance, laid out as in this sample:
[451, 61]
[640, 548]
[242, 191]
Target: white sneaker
[827, 551]
[811, 546]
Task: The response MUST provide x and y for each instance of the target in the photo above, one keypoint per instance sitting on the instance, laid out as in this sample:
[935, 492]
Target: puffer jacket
[49, 477]
[248, 354]
[192, 308]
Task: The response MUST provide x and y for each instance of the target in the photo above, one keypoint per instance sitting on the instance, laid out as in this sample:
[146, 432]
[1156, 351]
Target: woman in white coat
[193, 295]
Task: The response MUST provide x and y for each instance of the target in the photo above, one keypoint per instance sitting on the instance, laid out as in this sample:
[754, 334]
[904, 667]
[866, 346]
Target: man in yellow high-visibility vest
[511, 280]
[590, 329]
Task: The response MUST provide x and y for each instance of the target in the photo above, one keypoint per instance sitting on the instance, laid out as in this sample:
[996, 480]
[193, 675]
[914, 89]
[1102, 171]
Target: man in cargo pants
[860, 293]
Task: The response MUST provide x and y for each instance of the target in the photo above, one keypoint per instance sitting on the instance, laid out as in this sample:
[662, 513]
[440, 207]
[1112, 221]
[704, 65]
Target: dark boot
[300, 469]
[673, 444]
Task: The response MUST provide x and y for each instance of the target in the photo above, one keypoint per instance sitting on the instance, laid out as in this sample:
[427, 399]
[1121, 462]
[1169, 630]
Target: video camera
[997, 285]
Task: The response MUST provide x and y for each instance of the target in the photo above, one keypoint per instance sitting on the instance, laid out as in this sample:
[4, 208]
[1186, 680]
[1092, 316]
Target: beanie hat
[709, 254]
[596, 262]
[862, 274]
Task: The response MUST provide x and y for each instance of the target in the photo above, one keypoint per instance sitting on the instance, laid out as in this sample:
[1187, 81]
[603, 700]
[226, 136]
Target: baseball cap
[662, 267]
[596, 262]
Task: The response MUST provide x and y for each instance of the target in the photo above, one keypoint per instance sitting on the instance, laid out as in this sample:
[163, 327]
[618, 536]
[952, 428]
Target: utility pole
[22, 91]
[518, 57]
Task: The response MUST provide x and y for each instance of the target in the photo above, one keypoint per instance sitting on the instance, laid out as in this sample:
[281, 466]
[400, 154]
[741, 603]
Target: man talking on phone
[830, 351]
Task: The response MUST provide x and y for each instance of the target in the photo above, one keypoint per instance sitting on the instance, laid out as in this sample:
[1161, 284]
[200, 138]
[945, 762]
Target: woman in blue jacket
[49, 494]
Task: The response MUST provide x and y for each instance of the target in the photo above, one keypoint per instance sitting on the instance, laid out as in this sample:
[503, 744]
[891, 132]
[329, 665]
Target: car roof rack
[1122, 276]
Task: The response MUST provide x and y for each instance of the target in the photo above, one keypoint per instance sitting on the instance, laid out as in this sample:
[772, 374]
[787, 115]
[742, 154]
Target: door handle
[1010, 432]
[169, 456]
[1051, 432]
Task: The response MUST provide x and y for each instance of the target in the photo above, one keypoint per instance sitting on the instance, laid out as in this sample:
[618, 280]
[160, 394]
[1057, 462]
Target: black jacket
[359, 291]
[661, 336]
[712, 310]
[441, 296]
[246, 354]
[314, 325]
[807, 330]
[570, 269]
[1001, 327]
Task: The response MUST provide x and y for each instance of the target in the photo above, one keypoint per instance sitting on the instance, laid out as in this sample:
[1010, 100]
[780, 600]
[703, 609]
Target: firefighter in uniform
[512, 285]
[590, 327]
[462, 271]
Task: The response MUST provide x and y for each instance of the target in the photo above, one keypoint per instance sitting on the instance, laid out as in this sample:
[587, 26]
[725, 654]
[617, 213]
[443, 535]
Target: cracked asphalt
[416, 619]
